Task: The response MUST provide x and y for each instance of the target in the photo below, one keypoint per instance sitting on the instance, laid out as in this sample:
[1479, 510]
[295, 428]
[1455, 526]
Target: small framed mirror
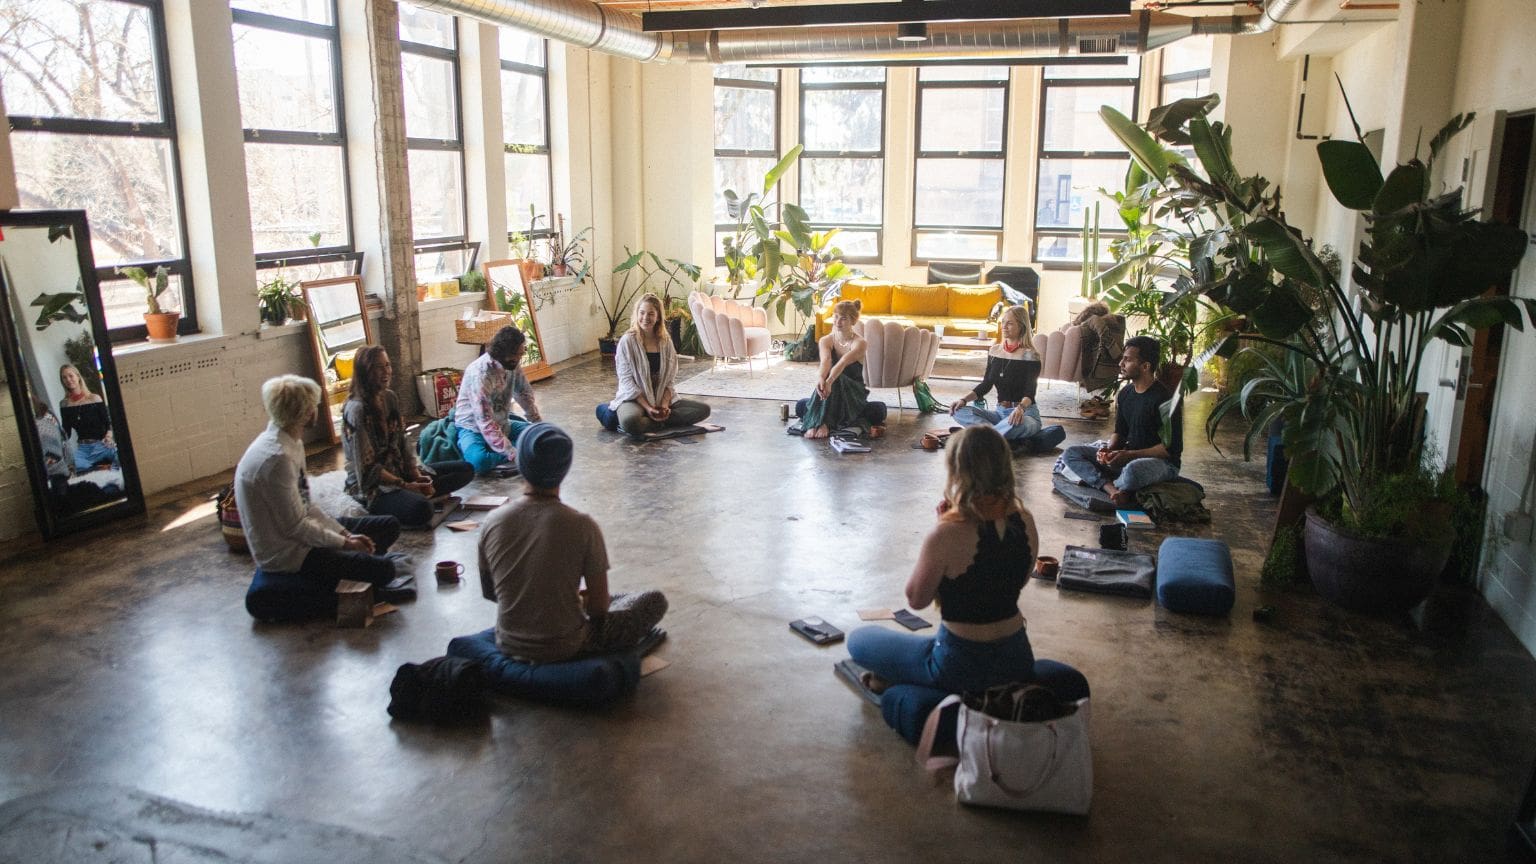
[507, 292]
[338, 326]
[63, 382]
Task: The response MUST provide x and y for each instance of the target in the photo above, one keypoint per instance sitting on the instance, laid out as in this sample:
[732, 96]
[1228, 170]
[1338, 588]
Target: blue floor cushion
[1195, 576]
[289, 597]
[586, 681]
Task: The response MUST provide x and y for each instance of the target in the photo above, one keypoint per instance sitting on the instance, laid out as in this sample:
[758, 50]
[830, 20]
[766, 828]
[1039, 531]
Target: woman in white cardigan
[647, 365]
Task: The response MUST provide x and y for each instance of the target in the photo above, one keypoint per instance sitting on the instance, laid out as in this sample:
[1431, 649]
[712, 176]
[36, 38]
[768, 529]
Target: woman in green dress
[840, 394]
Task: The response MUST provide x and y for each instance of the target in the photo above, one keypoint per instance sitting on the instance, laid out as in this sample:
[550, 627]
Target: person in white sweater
[286, 532]
[646, 364]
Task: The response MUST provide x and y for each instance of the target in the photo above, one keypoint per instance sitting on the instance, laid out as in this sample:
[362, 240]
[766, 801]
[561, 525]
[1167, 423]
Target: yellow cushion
[920, 300]
[874, 294]
[967, 302]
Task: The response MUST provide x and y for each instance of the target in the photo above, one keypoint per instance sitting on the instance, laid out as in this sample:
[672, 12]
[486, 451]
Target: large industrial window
[1078, 155]
[429, 60]
[89, 101]
[957, 202]
[525, 132]
[288, 62]
[1186, 69]
[842, 171]
[746, 138]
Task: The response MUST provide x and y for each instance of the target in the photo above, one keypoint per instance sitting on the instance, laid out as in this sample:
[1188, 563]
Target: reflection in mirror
[62, 380]
[338, 326]
[507, 292]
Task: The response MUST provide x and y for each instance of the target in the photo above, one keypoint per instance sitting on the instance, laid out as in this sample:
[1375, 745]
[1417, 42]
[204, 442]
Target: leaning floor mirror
[506, 292]
[338, 327]
[58, 362]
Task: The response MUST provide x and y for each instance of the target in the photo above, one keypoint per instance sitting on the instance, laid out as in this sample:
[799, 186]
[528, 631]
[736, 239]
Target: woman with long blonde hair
[840, 397]
[1013, 367]
[646, 364]
[973, 563]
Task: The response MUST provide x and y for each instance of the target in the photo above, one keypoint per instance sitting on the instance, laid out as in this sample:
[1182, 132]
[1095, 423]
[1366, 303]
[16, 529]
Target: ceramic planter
[1390, 575]
[161, 325]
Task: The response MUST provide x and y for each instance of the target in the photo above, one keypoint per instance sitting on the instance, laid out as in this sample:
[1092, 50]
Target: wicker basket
[480, 329]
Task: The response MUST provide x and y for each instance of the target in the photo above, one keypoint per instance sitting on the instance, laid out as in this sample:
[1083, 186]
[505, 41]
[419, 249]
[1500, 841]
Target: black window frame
[1042, 154]
[1000, 155]
[331, 33]
[165, 129]
[878, 229]
[776, 86]
[455, 145]
[547, 150]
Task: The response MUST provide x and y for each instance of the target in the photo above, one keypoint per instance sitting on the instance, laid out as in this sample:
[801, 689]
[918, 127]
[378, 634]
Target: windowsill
[465, 298]
[193, 341]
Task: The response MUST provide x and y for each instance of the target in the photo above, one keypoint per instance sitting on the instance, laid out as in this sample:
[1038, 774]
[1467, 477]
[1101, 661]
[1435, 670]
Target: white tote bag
[1045, 765]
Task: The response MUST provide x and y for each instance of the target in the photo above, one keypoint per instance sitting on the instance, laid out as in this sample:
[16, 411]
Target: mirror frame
[318, 346]
[541, 369]
[132, 504]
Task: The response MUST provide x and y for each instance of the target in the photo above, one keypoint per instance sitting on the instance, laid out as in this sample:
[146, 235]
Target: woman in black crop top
[1013, 367]
[974, 563]
[84, 415]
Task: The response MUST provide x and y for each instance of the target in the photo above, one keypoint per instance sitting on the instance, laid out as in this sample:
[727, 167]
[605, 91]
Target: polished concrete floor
[1323, 735]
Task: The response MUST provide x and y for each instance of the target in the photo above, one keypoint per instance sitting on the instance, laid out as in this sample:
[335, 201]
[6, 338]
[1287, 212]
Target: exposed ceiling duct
[588, 25]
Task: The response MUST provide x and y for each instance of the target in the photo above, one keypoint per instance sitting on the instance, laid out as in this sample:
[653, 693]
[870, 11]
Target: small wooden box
[480, 329]
[354, 604]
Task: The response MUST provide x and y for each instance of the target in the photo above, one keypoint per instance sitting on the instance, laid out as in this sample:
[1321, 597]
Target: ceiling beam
[880, 13]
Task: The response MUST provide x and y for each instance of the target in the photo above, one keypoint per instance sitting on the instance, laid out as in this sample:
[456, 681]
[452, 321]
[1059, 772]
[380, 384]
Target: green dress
[844, 405]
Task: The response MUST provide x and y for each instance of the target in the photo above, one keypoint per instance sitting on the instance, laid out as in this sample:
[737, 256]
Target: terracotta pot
[559, 269]
[421, 293]
[297, 310]
[532, 270]
[161, 325]
[1373, 575]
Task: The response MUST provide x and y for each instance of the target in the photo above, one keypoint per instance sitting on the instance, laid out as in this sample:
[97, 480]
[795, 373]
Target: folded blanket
[1107, 571]
[1086, 497]
[1177, 500]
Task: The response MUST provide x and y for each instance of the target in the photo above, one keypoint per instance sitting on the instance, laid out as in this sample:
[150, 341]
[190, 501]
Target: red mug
[448, 572]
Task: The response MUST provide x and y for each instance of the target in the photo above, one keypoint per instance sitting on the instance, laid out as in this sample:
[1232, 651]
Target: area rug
[113, 823]
[784, 381]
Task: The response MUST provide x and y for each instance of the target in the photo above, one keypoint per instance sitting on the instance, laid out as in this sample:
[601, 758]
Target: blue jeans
[906, 707]
[1028, 433]
[1137, 473]
[479, 454]
[89, 454]
[943, 661]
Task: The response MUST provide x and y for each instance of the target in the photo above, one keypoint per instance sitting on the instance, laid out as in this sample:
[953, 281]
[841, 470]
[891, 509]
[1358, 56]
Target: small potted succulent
[160, 324]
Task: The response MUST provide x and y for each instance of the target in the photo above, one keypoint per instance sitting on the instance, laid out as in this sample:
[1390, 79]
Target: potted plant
[568, 255]
[617, 314]
[160, 324]
[522, 248]
[751, 244]
[275, 298]
[1348, 388]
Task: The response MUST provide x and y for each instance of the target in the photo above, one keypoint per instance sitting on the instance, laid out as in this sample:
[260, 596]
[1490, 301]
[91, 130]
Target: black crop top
[989, 589]
[89, 419]
[1014, 378]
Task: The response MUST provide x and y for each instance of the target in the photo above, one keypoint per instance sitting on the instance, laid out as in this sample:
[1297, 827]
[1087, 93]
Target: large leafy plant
[1347, 384]
[751, 247]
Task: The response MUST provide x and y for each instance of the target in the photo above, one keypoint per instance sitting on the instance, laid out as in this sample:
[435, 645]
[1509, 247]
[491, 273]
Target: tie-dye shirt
[486, 394]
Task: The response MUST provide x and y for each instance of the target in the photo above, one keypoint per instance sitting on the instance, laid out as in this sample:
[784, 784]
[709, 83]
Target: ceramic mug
[1046, 567]
[448, 572]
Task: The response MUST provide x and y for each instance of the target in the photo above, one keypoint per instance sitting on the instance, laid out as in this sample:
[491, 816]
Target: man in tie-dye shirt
[488, 432]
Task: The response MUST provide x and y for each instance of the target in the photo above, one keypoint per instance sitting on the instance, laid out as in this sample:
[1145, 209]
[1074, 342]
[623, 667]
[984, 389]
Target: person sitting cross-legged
[1013, 367]
[646, 366]
[534, 554]
[287, 533]
[1136, 456]
[488, 432]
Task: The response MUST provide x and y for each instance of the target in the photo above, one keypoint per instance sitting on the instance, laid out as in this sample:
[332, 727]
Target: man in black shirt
[1136, 456]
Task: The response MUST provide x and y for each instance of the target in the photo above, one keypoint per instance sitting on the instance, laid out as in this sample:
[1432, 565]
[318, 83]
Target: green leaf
[1283, 312]
[1407, 184]
[1167, 121]
[798, 223]
[1147, 152]
[1449, 131]
[1352, 173]
[1213, 146]
[771, 179]
[1282, 247]
[629, 262]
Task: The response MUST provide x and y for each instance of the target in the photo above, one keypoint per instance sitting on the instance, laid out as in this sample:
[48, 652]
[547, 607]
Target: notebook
[485, 502]
[1134, 518]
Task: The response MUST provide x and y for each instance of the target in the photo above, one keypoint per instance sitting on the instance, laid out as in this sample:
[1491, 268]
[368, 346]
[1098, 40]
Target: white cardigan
[634, 371]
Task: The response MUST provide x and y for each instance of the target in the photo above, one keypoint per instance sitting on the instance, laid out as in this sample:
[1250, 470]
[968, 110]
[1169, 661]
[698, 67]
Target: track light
[913, 31]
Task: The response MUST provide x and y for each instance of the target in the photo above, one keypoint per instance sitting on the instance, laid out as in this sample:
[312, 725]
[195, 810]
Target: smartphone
[909, 620]
[817, 630]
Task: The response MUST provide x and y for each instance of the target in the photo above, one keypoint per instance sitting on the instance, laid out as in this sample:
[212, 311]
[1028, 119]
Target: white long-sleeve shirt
[280, 525]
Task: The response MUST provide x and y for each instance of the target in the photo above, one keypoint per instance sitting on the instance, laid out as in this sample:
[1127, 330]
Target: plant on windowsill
[568, 256]
[275, 298]
[160, 324]
[1380, 531]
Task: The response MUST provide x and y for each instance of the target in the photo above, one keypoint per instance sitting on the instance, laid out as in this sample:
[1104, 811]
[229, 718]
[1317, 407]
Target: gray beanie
[544, 455]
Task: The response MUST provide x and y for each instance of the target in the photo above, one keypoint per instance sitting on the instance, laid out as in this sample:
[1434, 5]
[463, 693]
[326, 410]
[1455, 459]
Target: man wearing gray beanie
[534, 554]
